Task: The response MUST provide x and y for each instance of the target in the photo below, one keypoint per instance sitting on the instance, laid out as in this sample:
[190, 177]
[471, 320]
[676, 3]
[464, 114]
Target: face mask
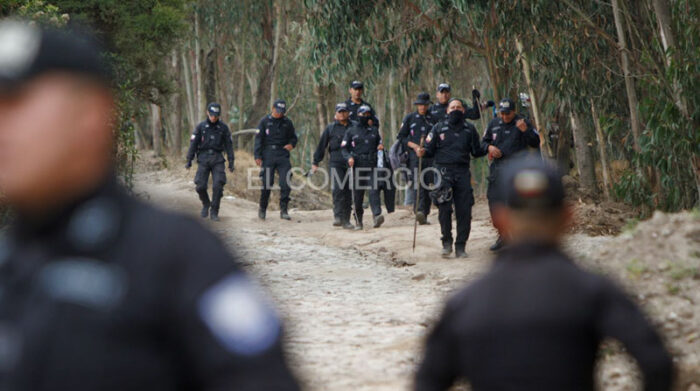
[455, 117]
[364, 121]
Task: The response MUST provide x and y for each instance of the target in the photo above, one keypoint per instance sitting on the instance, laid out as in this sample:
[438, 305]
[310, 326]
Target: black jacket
[361, 142]
[535, 322]
[113, 294]
[509, 139]
[211, 136]
[452, 145]
[331, 138]
[274, 132]
[413, 127]
[352, 106]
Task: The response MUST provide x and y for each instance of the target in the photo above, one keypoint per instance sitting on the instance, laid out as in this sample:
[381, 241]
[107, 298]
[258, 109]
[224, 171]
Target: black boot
[205, 211]
[358, 226]
[283, 213]
[261, 214]
[214, 215]
[347, 225]
[378, 221]
[459, 252]
[337, 222]
[446, 249]
[422, 218]
[498, 245]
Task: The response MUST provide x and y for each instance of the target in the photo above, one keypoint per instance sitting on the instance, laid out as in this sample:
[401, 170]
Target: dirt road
[357, 304]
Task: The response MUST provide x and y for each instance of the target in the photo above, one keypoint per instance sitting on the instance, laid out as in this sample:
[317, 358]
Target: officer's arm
[292, 134]
[228, 143]
[194, 144]
[225, 332]
[345, 146]
[620, 318]
[472, 112]
[404, 131]
[437, 370]
[532, 137]
[259, 139]
[488, 136]
[478, 149]
[322, 145]
[430, 143]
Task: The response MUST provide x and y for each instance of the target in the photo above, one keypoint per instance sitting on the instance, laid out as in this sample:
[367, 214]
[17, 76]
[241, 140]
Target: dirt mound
[659, 260]
[607, 218]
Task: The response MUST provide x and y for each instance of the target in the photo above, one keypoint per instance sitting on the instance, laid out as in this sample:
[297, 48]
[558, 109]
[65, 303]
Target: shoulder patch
[238, 316]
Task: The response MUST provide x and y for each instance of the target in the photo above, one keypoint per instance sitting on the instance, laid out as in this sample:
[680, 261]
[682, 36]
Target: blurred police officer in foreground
[331, 138]
[209, 139]
[275, 138]
[535, 320]
[444, 93]
[99, 290]
[356, 91]
[506, 136]
[360, 146]
[451, 142]
[414, 128]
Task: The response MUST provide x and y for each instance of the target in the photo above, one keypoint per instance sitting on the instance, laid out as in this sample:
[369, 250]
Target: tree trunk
[320, 109]
[210, 92]
[175, 108]
[280, 26]
[584, 155]
[262, 93]
[188, 90]
[241, 90]
[197, 66]
[632, 101]
[668, 40]
[392, 107]
[602, 151]
[156, 129]
[533, 98]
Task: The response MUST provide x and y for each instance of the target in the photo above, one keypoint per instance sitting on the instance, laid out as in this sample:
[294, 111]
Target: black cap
[528, 182]
[423, 99]
[357, 85]
[280, 105]
[506, 105]
[444, 87]
[214, 109]
[27, 51]
[342, 106]
[364, 109]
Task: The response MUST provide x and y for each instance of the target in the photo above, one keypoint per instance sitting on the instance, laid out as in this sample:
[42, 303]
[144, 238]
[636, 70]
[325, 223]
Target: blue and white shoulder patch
[239, 317]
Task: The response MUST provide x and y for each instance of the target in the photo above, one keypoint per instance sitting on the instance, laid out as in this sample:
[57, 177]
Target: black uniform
[331, 138]
[385, 181]
[510, 140]
[439, 111]
[113, 294]
[414, 127]
[208, 141]
[360, 143]
[273, 134]
[451, 145]
[534, 322]
[353, 107]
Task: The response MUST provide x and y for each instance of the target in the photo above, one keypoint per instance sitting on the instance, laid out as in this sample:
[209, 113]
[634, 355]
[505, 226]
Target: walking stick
[420, 170]
[352, 196]
[481, 114]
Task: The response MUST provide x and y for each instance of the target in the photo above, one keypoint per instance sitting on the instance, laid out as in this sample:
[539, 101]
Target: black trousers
[385, 185]
[364, 177]
[275, 160]
[492, 193]
[340, 189]
[210, 163]
[458, 180]
[423, 189]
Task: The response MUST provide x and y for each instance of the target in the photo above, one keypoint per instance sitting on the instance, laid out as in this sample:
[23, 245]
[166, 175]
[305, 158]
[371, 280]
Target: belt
[366, 156]
[209, 151]
[274, 146]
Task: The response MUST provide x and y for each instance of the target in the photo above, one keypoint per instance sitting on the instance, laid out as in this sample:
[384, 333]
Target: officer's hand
[258, 162]
[476, 94]
[490, 103]
[521, 124]
[188, 165]
[230, 169]
[288, 147]
[495, 152]
[351, 162]
[420, 152]
[314, 168]
[380, 147]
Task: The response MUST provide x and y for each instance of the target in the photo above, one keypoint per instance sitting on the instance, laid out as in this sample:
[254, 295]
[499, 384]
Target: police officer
[451, 142]
[535, 320]
[355, 100]
[275, 138]
[331, 138]
[209, 139]
[506, 136]
[444, 93]
[101, 291]
[414, 128]
[360, 146]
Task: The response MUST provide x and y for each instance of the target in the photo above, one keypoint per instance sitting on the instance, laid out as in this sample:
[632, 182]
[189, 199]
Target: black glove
[230, 168]
[476, 94]
[490, 103]
[188, 164]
